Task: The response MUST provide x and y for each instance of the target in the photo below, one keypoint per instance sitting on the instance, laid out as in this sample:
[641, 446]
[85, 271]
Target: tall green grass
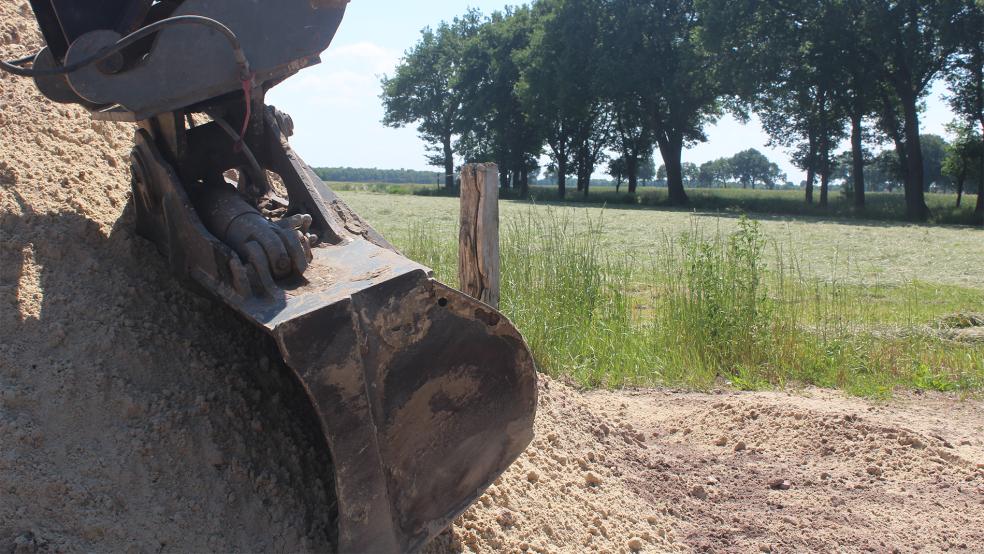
[703, 309]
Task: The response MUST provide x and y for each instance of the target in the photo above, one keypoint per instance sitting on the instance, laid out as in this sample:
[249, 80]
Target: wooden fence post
[478, 237]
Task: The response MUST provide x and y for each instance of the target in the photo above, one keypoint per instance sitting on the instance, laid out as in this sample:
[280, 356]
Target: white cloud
[347, 78]
[364, 56]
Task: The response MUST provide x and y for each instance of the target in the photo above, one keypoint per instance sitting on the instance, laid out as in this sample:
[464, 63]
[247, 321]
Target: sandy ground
[137, 417]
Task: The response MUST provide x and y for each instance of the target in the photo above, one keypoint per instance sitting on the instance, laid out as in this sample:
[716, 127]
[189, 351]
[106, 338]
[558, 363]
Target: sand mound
[134, 415]
[130, 417]
[569, 492]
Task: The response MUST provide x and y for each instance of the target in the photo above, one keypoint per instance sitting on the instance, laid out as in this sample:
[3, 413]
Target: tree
[963, 158]
[966, 79]
[785, 63]
[559, 80]
[676, 78]
[592, 140]
[622, 85]
[751, 166]
[934, 149]
[859, 96]
[617, 168]
[689, 171]
[715, 171]
[913, 42]
[647, 169]
[884, 171]
[631, 138]
[494, 122]
[425, 91]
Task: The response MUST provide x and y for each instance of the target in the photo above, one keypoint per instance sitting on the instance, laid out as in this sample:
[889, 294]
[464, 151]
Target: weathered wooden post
[478, 238]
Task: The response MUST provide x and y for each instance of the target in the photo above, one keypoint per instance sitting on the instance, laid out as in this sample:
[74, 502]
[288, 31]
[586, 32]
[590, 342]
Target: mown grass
[879, 206]
[707, 305]
[881, 255]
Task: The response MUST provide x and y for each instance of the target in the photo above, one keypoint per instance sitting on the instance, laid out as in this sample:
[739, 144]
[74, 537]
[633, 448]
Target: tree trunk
[811, 175]
[448, 162]
[524, 184]
[857, 153]
[632, 168]
[900, 151]
[823, 166]
[979, 211]
[672, 153]
[562, 177]
[960, 189]
[915, 198]
[824, 187]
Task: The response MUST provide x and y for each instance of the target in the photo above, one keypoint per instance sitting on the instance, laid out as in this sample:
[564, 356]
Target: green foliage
[560, 81]
[425, 89]
[751, 166]
[589, 79]
[715, 173]
[721, 303]
[707, 307]
[375, 175]
[933, 152]
[497, 127]
[964, 158]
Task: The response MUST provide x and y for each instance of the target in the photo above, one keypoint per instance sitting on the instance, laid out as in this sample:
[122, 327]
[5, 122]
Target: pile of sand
[570, 491]
[131, 416]
[135, 416]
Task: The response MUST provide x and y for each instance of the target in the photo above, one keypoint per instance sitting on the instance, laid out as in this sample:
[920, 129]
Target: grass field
[626, 296]
[880, 206]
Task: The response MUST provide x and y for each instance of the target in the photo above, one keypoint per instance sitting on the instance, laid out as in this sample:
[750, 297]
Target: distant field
[874, 251]
[628, 296]
[880, 206]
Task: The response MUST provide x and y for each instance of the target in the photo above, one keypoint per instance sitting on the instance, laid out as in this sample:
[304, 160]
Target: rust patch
[352, 222]
[489, 318]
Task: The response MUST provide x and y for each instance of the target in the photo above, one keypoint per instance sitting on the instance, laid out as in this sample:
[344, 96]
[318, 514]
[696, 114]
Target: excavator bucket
[423, 395]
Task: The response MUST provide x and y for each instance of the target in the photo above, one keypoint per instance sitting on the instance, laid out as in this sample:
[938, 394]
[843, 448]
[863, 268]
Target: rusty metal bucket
[424, 395]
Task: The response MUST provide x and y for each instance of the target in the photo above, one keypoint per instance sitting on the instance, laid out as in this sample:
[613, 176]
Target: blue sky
[337, 112]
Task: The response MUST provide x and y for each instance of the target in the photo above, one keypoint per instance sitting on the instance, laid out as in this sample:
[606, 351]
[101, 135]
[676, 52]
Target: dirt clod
[780, 485]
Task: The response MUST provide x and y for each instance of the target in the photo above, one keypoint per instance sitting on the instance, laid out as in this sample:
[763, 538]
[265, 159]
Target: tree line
[376, 175]
[582, 80]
